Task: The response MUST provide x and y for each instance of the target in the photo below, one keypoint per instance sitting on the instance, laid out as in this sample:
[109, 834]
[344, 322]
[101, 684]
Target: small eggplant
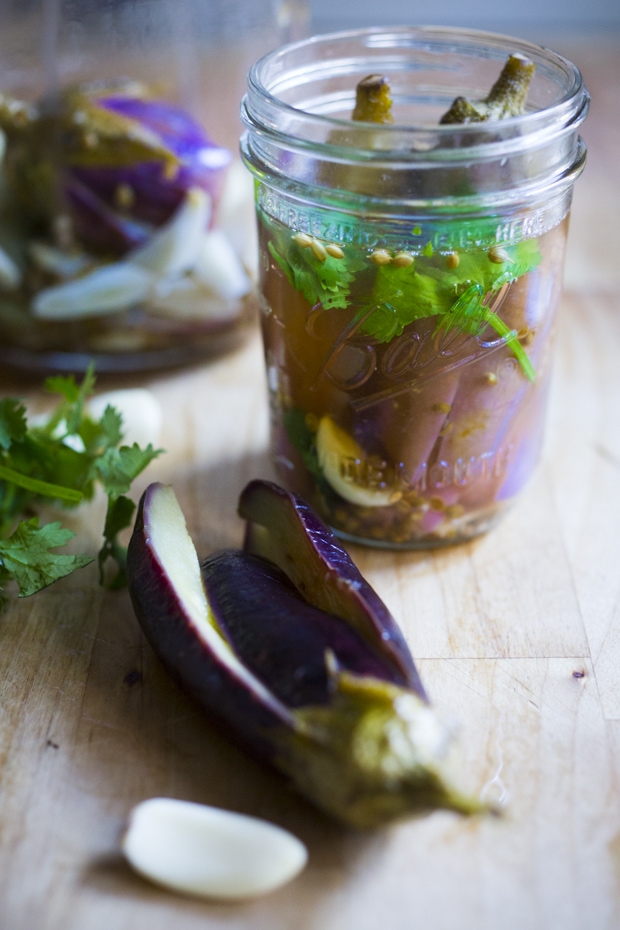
[118, 160]
[294, 655]
[284, 529]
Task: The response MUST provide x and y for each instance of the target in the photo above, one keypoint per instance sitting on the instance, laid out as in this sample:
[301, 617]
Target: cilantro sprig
[327, 281]
[394, 296]
[457, 297]
[62, 459]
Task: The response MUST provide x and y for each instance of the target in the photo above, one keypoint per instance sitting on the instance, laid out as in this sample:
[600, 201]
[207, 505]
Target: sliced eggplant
[278, 635]
[284, 529]
[304, 689]
[168, 596]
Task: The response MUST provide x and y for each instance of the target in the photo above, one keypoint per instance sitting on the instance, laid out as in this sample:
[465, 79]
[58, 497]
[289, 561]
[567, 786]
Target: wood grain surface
[517, 637]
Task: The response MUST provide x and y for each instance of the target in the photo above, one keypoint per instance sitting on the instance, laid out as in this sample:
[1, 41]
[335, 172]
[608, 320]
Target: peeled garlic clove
[187, 299]
[140, 410]
[209, 852]
[173, 248]
[54, 261]
[341, 460]
[108, 289]
[10, 275]
[218, 267]
[235, 214]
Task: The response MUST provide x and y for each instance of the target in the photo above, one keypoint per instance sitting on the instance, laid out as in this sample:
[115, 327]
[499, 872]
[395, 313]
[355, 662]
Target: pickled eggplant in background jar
[413, 196]
[126, 218]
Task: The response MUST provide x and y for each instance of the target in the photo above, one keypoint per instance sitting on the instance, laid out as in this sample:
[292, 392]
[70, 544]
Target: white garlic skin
[140, 410]
[209, 852]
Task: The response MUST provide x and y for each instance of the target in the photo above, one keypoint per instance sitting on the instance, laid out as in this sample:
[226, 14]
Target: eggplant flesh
[287, 643]
[300, 688]
[284, 529]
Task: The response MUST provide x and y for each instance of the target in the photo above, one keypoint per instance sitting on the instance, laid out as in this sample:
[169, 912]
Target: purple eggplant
[254, 602]
[119, 161]
[304, 689]
[168, 595]
[284, 529]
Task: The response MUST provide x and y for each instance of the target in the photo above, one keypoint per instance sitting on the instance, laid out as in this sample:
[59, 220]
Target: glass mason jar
[126, 217]
[410, 274]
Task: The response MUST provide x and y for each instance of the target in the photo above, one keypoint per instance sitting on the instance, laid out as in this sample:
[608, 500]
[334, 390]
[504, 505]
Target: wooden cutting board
[517, 637]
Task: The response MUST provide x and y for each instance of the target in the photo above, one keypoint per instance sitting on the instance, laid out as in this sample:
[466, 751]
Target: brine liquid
[416, 440]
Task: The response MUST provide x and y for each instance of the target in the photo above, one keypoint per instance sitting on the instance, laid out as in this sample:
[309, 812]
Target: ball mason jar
[126, 216]
[410, 275]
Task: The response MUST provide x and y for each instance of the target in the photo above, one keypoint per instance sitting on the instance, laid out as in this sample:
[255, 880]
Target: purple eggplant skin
[284, 529]
[155, 190]
[248, 715]
[281, 638]
[118, 161]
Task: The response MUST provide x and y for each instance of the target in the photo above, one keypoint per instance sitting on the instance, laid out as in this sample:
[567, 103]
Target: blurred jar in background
[126, 219]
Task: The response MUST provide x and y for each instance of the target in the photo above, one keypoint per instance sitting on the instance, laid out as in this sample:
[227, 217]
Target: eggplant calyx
[375, 754]
[96, 136]
[373, 103]
[506, 98]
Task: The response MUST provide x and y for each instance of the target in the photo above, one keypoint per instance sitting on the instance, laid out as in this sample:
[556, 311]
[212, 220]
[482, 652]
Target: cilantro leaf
[118, 518]
[63, 458]
[26, 556]
[393, 296]
[455, 296]
[75, 396]
[111, 424]
[13, 424]
[400, 296]
[325, 281]
[117, 468]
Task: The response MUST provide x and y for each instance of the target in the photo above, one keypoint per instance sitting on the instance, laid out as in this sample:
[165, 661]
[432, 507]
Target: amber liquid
[446, 425]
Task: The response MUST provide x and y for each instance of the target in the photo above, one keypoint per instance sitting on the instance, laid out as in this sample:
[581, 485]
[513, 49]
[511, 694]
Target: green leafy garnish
[326, 282]
[394, 296]
[304, 440]
[62, 460]
[470, 314]
[426, 289]
[400, 296]
[25, 556]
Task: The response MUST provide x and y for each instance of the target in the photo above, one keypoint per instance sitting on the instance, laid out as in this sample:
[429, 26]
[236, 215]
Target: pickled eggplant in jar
[127, 234]
[410, 276]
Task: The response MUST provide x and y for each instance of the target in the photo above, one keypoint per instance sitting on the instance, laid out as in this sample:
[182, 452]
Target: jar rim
[263, 110]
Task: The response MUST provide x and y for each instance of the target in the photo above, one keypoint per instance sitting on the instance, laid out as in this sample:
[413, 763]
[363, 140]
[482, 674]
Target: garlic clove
[140, 410]
[235, 212]
[342, 461]
[10, 275]
[108, 289]
[173, 248]
[208, 852]
[54, 261]
[219, 269]
[187, 299]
